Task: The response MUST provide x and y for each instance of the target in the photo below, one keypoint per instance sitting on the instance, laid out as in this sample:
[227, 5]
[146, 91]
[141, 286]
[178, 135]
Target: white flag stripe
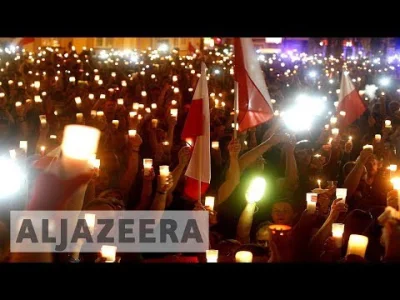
[202, 146]
[253, 68]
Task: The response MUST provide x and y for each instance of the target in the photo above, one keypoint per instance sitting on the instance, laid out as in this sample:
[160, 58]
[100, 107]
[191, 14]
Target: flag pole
[200, 157]
[236, 110]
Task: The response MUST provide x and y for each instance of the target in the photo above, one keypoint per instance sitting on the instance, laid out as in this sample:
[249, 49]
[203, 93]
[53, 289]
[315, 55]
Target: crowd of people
[122, 93]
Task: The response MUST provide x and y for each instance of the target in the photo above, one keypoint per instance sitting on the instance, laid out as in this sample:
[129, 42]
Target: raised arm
[251, 156]
[160, 199]
[147, 191]
[245, 223]
[317, 241]
[233, 173]
[353, 179]
[133, 164]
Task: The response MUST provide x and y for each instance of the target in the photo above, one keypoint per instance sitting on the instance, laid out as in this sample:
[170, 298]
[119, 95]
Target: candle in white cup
[312, 202]
[91, 96]
[141, 106]
[209, 201]
[102, 96]
[335, 131]
[24, 146]
[165, 143]
[174, 112]
[18, 104]
[43, 120]
[109, 253]
[100, 115]
[357, 245]
[147, 110]
[53, 137]
[341, 193]
[244, 257]
[113, 74]
[90, 220]
[174, 102]
[115, 123]
[120, 101]
[132, 132]
[123, 83]
[13, 154]
[174, 78]
[337, 233]
[176, 90]
[80, 142]
[153, 106]
[378, 138]
[132, 114]
[135, 106]
[147, 165]
[212, 256]
[164, 173]
[333, 120]
[326, 126]
[78, 101]
[216, 103]
[42, 150]
[144, 93]
[38, 99]
[154, 123]
[36, 84]
[79, 117]
[368, 147]
[139, 117]
[72, 79]
[215, 145]
[393, 168]
[93, 114]
[388, 123]
[342, 113]
[189, 141]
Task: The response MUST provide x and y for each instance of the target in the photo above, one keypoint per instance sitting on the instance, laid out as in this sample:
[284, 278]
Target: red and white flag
[349, 101]
[254, 105]
[197, 127]
[22, 41]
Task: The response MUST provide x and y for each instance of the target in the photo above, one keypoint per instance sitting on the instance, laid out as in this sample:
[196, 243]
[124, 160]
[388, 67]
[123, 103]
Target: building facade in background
[114, 43]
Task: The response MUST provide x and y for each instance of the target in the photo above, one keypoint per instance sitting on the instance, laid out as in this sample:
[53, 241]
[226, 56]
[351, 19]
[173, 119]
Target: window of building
[104, 42]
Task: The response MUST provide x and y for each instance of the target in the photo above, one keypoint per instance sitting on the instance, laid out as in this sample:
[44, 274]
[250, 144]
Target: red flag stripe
[354, 107]
[194, 125]
[192, 186]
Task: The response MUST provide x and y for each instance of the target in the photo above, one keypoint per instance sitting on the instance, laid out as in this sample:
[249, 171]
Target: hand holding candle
[109, 253]
[209, 202]
[244, 257]
[311, 202]
[212, 256]
[164, 173]
[357, 245]
[337, 233]
[147, 166]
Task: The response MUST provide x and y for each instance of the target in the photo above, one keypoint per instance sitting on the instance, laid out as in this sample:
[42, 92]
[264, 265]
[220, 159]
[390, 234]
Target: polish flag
[349, 101]
[254, 105]
[197, 128]
[23, 41]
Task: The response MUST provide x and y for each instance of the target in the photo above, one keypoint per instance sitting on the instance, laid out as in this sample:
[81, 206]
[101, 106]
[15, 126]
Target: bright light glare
[312, 74]
[302, 114]
[370, 90]
[163, 48]
[385, 81]
[256, 190]
[11, 177]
